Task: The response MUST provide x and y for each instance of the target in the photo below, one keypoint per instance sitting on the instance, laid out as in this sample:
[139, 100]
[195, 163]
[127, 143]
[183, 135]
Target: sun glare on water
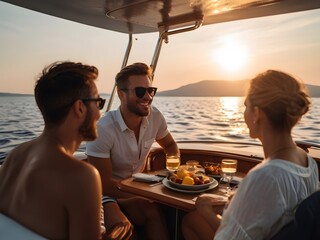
[232, 113]
[232, 55]
[230, 106]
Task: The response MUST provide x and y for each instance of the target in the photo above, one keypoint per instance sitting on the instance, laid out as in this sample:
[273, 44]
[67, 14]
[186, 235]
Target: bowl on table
[213, 169]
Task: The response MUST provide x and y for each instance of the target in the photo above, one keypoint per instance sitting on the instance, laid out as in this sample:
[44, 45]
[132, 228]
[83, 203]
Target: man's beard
[134, 109]
[88, 129]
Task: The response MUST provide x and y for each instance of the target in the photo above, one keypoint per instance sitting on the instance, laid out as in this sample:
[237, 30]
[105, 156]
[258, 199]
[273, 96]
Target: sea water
[188, 118]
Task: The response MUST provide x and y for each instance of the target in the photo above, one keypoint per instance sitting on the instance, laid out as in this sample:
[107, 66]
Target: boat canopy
[143, 16]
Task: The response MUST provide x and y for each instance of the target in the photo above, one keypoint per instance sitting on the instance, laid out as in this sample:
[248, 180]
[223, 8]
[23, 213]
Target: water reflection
[230, 106]
[231, 109]
[189, 118]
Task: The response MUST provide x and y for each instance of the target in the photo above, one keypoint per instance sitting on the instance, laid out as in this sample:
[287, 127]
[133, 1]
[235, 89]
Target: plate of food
[168, 185]
[183, 179]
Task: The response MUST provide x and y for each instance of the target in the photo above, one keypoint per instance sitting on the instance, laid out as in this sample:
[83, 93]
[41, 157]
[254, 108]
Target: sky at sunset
[227, 51]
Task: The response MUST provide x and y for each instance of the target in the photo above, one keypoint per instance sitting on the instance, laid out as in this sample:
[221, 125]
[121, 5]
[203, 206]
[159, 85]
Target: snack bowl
[213, 170]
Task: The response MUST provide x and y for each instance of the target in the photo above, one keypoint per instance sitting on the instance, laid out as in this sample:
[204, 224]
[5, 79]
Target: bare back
[45, 189]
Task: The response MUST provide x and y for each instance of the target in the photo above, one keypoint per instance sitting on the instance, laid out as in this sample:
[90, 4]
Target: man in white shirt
[125, 138]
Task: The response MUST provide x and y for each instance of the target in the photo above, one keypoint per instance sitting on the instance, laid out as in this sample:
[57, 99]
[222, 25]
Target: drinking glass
[228, 169]
[193, 166]
[172, 162]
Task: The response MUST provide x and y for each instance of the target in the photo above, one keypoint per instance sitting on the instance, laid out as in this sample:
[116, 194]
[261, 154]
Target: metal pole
[163, 35]
[124, 63]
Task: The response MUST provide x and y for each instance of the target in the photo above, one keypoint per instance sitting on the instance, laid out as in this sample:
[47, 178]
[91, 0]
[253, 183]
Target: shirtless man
[43, 187]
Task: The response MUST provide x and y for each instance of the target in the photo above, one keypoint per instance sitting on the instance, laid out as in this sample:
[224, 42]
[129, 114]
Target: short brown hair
[130, 70]
[60, 84]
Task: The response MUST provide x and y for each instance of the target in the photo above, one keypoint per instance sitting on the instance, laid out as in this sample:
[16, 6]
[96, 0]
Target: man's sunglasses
[141, 91]
[100, 101]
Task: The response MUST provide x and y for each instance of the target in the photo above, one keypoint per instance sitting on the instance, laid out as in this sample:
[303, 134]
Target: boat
[169, 17]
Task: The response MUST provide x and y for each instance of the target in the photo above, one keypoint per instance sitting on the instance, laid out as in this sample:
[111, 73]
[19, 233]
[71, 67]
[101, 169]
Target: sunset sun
[232, 55]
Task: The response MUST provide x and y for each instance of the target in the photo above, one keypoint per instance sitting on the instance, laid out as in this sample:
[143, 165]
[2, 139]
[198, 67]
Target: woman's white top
[267, 198]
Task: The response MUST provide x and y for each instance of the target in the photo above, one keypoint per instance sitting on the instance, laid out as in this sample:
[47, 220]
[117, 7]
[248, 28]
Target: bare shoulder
[81, 169]
[19, 150]
[16, 157]
[64, 171]
[76, 179]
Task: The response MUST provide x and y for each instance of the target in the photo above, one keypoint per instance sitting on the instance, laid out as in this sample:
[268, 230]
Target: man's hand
[117, 224]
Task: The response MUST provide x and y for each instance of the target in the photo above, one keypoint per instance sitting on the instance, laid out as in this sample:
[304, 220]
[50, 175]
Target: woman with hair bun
[268, 196]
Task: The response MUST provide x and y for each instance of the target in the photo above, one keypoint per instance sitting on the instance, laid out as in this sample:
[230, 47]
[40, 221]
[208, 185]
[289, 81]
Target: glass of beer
[172, 162]
[228, 169]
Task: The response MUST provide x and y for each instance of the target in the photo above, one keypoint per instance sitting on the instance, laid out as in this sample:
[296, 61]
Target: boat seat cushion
[10, 229]
[306, 224]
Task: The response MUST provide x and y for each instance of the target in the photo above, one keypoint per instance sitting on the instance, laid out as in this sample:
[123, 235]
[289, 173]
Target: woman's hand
[212, 205]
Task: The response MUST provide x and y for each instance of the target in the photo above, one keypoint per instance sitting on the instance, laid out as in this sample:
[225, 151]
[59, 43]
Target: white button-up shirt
[117, 142]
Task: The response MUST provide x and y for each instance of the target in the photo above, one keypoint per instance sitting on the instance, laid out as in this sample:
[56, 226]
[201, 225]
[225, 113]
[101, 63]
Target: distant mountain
[3, 94]
[314, 90]
[221, 88]
[209, 88]
[206, 88]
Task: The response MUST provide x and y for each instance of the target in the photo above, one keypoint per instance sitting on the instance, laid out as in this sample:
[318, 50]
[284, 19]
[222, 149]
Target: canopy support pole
[124, 63]
[163, 35]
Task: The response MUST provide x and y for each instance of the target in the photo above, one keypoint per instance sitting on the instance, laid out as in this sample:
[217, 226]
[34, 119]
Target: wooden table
[181, 202]
[159, 193]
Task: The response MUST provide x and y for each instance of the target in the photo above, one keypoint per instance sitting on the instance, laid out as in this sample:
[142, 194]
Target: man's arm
[168, 144]
[83, 203]
[109, 185]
